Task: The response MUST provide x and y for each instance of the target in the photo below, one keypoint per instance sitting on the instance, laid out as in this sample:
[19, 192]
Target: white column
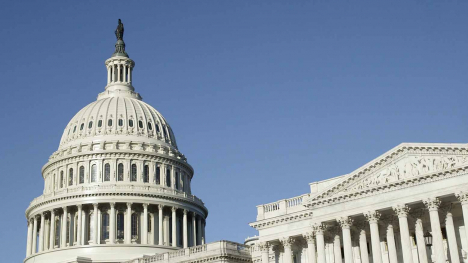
[194, 227]
[345, 223]
[144, 238]
[287, 243]
[29, 240]
[46, 234]
[95, 223]
[318, 228]
[363, 246]
[52, 230]
[185, 234]
[174, 226]
[199, 230]
[402, 213]
[432, 205]
[264, 248]
[422, 252]
[78, 226]
[34, 236]
[463, 198]
[130, 74]
[392, 253]
[71, 229]
[41, 234]
[153, 228]
[119, 73]
[63, 229]
[108, 74]
[311, 255]
[112, 227]
[373, 218]
[124, 77]
[452, 240]
[337, 249]
[161, 238]
[128, 225]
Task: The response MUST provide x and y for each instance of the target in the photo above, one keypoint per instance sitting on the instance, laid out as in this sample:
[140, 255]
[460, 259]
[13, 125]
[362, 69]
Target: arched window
[150, 126]
[81, 126]
[146, 174]
[158, 175]
[105, 226]
[140, 124]
[130, 123]
[74, 129]
[120, 226]
[90, 125]
[157, 127]
[135, 226]
[120, 175]
[81, 174]
[109, 123]
[57, 231]
[61, 179]
[70, 177]
[177, 180]
[120, 122]
[107, 172]
[168, 177]
[133, 177]
[93, 173]
[99, 123]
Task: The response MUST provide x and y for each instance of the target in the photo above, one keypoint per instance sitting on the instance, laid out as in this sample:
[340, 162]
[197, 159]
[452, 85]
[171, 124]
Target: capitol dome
[117, 187]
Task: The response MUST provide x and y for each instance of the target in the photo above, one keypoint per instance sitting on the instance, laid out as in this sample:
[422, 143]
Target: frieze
[281, 220]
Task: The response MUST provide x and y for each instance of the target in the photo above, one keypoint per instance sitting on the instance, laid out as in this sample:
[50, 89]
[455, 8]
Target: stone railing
[219, 248]
[280, 207]
[147, 189]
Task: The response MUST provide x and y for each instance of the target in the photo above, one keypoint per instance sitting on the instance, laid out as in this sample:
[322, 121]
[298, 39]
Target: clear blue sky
[264, 96]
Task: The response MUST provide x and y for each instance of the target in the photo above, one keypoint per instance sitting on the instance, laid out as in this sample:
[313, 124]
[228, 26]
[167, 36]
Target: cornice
[194, 200]
[281, 220]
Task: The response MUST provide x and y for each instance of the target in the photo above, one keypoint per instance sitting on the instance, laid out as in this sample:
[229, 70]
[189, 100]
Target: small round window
[130, 123]
[120, 122]
[150, 126]
[90, 125]
[99, 123]
[109, 123]
[140, 124]
[81, 126]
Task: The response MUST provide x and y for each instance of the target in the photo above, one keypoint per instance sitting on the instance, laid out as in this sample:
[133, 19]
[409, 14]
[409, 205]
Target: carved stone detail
[372, 216]
[401, 210]
[309, 237]
[462, 197]
[287, 241]
[345, 222]
[432, 204]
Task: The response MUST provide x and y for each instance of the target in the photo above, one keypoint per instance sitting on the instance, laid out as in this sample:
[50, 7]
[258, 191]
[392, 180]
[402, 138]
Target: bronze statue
[119, 31]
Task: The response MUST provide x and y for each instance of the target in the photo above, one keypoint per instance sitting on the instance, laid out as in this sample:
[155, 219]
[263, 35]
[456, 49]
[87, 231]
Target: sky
[264, 97]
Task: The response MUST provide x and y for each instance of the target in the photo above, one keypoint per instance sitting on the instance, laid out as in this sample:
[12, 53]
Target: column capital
[319, 228]
[36, 216]
[64, 208]
[309, 237]
[345, 222]
[372, 216]
[95, 205]
[145, 205]
[160, 207]
[112, 204]
[129, 205]
[264, 246]
[401, 210]
[173, 209]
[287, 241]
[462, 197]
[194, 214]
[185, 211]
[432, 204]
[80, 206]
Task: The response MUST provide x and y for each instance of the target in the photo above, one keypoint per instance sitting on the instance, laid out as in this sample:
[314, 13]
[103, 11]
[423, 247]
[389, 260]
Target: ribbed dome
[118, 118]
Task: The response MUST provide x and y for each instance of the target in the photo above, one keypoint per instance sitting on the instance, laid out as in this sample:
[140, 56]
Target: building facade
[119, 190]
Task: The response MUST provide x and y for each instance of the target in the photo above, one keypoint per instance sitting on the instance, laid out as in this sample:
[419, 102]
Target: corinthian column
[144, 238]
[287, 243]
[128, 225]
[95, 223]
[63, 230]
[363, 244]
[52, 230]
[185, 234]
[160, 221]
[112, 223]
[432, 205]
[34, 236]
[318, 229]
[174, 226]
[373, 219]
[29, 241]
[311, 256]
[78, 226]
[264, 248]
[345, 223]
[422, 252]
[452, 240]
[392, 253]
[463, 198]
[194, 226]
[41, 234]
[402, 213]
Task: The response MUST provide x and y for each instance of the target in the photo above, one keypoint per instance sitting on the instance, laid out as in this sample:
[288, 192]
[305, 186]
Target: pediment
[403, 163]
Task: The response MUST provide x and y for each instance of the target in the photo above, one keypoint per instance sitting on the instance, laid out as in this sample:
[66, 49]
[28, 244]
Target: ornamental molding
[124, 154]
[286, 219]
[392, 172]
[35, 204]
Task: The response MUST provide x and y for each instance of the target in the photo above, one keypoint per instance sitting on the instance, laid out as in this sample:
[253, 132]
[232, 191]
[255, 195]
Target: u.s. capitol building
[118, 190]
